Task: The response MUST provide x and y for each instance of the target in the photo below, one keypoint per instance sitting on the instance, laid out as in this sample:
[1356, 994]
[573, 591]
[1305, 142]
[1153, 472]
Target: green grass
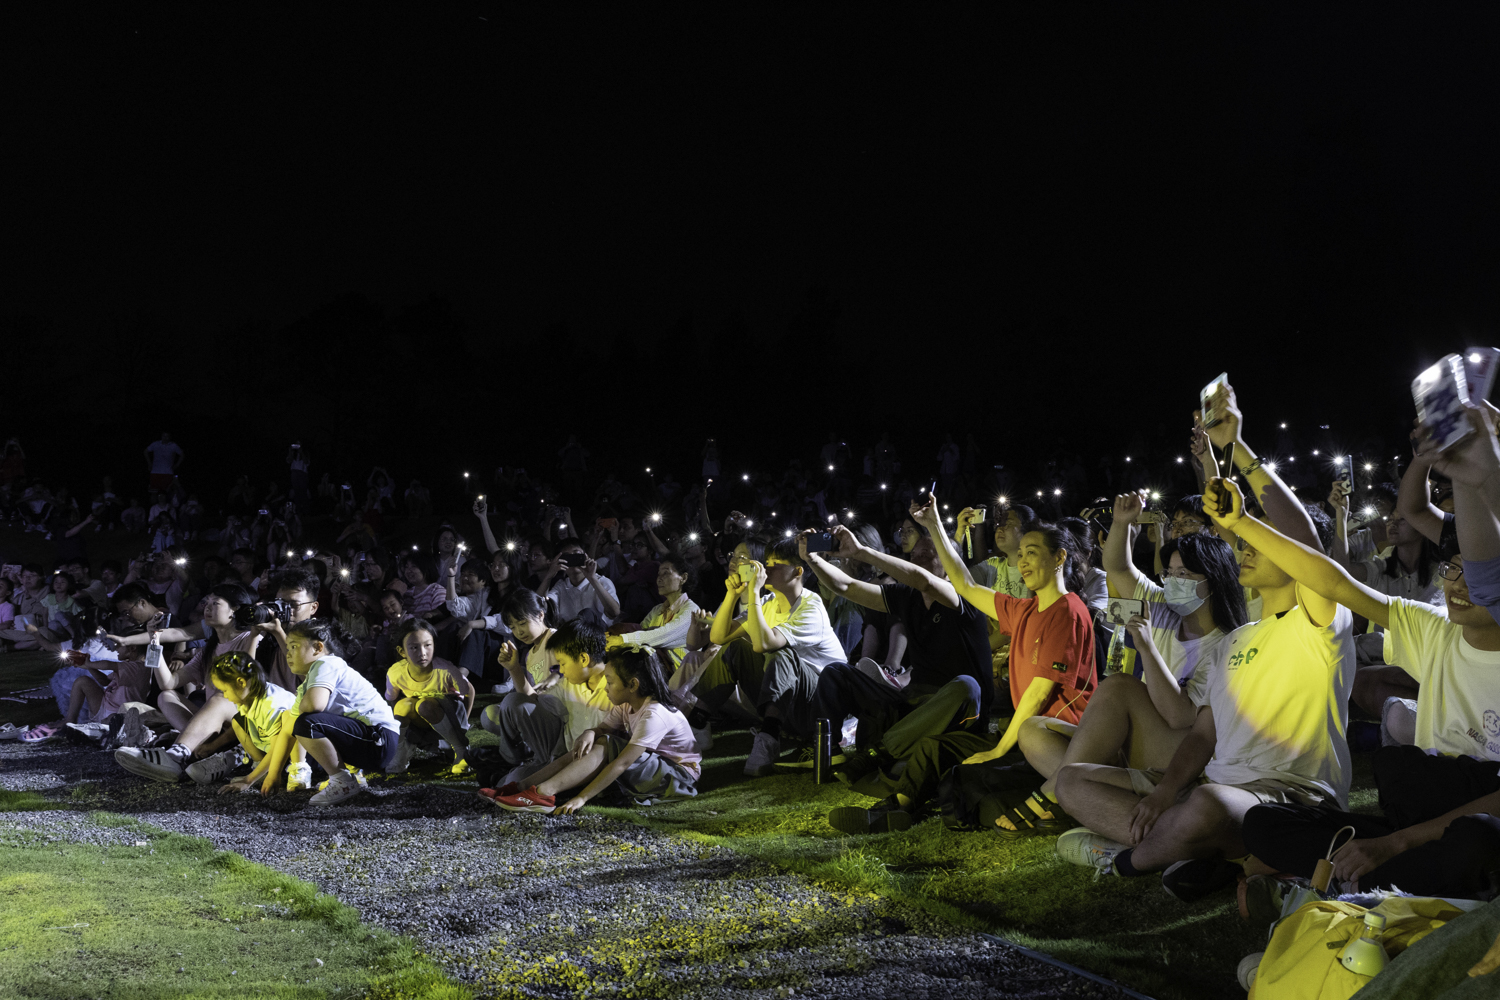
[79, 920]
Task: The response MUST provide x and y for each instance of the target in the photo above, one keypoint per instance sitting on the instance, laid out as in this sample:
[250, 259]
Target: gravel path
[549, 907]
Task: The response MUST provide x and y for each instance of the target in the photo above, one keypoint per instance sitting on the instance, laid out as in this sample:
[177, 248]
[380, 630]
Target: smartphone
[932, 490]
[821, 541]
[979, 515]
[1440, 393]
[1479, 371]
[1149, 517]
[1120, 610]
[574, 559]
[747, 572]
[1346, 471]
[609, 522]
[1209, 416]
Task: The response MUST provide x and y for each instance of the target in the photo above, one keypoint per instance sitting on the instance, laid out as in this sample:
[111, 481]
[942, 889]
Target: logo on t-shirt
[1492, 722]
[1061, 667]
[1244, 658]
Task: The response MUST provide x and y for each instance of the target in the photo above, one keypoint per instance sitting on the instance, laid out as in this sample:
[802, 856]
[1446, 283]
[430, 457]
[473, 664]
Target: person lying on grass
[644, 744]
[429, 693]
[341, 720]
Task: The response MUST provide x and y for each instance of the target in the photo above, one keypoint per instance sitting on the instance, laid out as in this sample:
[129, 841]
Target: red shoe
[529, 800]
[509, 788]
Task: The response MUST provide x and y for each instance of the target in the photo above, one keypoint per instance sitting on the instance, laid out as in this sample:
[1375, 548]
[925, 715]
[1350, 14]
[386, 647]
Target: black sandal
[1028, 823]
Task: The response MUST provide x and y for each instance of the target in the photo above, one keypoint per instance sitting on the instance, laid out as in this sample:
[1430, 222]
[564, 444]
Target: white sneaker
[158, 765]
[763, 754]
[359, 776]
[95, 731]
[703, 739]
[1087, 849]
[403, 757]
[298, 776]
[9, 731]
[340, 787]
[211, 769]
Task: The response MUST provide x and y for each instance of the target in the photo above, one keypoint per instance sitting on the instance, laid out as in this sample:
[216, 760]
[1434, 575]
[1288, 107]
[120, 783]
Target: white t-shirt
[1279, 690]
[997, 573]
[1095, 589]
[1189, 661]
[1403, 584]
[1458, 709]
[348, 693]
[162, 453]
[572, 600]
[811, 634]
[586, 708]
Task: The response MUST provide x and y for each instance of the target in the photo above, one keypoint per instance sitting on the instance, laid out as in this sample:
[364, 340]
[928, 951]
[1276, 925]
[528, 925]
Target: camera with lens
[247, 615]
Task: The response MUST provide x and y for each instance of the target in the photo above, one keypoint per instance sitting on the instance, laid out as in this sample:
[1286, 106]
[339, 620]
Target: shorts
[652, 777]
[1267, 790]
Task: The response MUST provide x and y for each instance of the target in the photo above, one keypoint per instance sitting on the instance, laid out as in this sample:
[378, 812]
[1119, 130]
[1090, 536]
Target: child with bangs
[427, 692]
[644, 745]
[261, 711]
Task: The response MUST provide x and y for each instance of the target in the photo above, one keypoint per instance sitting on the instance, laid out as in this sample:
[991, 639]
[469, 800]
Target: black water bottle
[823, 753]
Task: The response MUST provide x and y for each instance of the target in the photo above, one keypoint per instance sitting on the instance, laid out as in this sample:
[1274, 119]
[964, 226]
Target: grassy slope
[79, 920]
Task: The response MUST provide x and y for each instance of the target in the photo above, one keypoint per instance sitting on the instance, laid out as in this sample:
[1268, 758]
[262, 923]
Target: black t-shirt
[943, 642]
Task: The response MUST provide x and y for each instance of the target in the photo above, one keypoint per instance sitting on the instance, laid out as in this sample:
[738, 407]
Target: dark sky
[1071, 216]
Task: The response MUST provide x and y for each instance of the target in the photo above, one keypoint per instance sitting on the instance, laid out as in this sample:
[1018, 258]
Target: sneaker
[298, 776]
[403, 757]
[91, 731]
[491, 794]
[762, 759]
[1191, 880]
[158, 765]
[211, 769]
[703, 739]
[340, 787]
[1248, 967]
[527, 800]
[10, 732]
[882, 819]
[1084, 847]
[461, 769]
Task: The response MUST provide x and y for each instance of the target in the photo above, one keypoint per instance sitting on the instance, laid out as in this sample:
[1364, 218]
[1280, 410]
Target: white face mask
[1182, 595]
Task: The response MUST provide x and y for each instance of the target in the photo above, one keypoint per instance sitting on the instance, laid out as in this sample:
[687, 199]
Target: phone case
[1209, 419]
[1479, 371]
[1440, 393]
[1121, 609]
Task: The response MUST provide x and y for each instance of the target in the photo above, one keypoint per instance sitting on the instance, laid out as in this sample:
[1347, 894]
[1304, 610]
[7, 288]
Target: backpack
[1301, 962]
[970, 796]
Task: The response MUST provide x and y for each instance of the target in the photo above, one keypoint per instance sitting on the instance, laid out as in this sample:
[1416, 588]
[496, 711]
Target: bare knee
[430, 710]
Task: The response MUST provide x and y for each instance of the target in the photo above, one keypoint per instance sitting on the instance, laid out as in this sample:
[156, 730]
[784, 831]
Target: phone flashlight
[344, 573]
[466, 475]
[510, 546]
[308, 554]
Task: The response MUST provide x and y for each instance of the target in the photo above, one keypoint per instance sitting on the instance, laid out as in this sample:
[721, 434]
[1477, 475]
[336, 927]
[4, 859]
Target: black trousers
[1414, 787]
[367, 747]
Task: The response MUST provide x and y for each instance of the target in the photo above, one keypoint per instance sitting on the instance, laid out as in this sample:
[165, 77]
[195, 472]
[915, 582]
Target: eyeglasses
[1186, 524]
[1450, 572]
[1182, 574]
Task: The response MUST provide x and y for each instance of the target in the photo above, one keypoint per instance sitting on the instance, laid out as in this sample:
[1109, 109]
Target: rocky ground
[521, 904]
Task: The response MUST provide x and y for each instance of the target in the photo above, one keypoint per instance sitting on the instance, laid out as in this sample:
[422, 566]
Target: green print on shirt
[1242, 658]
[1060, 666]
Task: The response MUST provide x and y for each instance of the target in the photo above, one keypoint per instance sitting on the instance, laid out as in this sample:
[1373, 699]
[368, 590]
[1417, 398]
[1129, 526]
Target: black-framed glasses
[1450, 572]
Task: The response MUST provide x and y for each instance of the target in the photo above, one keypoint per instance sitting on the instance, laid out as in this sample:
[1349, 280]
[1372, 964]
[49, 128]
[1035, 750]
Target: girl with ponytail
[644, 745]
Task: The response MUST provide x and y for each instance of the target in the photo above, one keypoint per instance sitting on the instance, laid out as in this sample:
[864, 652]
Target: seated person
[536, 725]
[1440, 832]
[468, 600]
[573, 584]
[665, 626]
[425, 596]
[481, 637]
[944, 702]
[779, 666]
[1158, 664]
[643, 745]
[428, 693]
[1272, 730]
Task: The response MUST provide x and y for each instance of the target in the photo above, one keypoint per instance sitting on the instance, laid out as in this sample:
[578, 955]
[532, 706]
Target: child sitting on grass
[261, 712]
[341, 718]
[644, 744]
[430, 693]
[550, 723]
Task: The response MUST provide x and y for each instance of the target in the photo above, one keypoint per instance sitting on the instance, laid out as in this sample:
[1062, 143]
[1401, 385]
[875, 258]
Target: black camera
[247, 615]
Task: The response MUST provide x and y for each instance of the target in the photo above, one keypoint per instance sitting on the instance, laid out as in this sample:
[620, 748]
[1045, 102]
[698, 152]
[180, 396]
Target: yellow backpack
[1302, 960]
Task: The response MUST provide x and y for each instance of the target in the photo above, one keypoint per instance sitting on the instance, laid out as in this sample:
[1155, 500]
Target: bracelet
[1247, 470]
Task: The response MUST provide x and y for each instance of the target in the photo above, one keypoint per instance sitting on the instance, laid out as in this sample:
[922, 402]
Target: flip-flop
[40, 733]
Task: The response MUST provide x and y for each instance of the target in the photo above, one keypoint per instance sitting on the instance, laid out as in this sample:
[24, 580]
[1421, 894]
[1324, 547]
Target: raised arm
[1414, 501]
[763, 638]
[959, 578]
[1276, 499]
[899, 570]
[866, 595]
[1322, 583]
[1474, 466]
[482, 511]
[1118, 566]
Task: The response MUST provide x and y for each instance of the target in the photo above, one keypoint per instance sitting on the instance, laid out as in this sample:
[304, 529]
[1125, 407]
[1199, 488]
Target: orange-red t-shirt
[1056, 644]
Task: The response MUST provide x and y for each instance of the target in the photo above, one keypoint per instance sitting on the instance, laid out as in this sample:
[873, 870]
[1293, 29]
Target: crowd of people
[1172, 686]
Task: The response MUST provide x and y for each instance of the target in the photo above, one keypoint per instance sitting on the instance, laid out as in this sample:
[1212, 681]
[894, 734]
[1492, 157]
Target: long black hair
[1427, 559]
[642, 666]
[1210, 555]
[524, 603]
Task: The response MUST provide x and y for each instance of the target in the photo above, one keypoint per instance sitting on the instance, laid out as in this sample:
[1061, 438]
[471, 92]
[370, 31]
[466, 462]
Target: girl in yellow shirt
[430, 693]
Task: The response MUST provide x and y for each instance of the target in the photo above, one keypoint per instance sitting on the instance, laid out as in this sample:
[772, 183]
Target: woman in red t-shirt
[1051, 634]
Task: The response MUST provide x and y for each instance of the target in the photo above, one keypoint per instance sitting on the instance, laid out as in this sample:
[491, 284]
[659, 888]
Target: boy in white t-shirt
[1440, 832]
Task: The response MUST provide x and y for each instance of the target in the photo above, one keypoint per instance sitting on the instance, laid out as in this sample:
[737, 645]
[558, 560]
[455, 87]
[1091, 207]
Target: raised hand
[1128, 507]
[1222, 502]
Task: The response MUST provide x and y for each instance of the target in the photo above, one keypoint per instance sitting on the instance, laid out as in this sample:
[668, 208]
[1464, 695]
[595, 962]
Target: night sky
[1049, 226]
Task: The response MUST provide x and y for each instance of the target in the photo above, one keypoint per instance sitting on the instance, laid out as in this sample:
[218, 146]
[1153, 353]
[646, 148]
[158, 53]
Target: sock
[1124, 867]
[180, 751]
[772, 728]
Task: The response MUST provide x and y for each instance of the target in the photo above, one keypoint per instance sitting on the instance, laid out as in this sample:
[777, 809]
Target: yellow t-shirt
[402, 679]
[261, 719]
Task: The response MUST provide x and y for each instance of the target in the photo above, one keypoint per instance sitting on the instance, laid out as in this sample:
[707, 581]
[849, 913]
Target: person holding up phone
[572, 582]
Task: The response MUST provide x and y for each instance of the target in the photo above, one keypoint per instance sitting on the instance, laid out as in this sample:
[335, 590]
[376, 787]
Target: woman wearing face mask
[1158, 664]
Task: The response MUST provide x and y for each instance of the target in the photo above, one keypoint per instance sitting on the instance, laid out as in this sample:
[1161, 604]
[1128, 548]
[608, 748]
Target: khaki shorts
[1267, 790]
